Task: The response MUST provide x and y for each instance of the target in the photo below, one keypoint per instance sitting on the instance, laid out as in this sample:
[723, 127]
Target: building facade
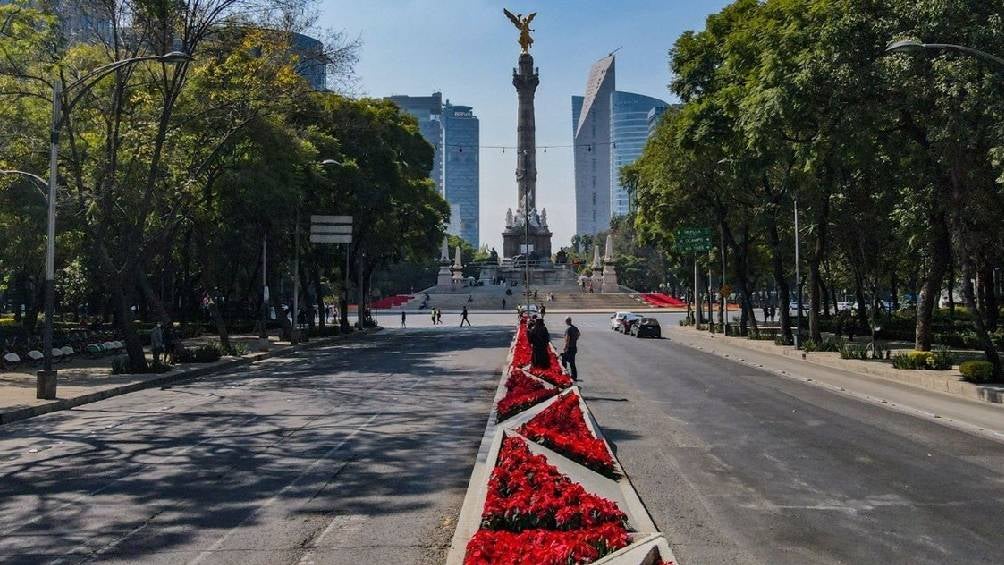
[311, 60]
[629, 127]
[591, 148]
[428, 110]
[461, 139]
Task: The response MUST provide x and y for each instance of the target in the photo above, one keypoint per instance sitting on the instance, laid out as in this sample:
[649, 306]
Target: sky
[467, 48]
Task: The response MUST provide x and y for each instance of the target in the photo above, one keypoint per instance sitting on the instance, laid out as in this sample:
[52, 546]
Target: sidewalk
[89, 380]
[930, 396]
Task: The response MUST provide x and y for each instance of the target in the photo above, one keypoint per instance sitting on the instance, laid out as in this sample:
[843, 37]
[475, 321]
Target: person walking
[503, 303]
[157, 342]
[439, 317]
[434, 316]
[464, 318]
[403, 318]
[571, 348]
[542, 310]
[540, 340]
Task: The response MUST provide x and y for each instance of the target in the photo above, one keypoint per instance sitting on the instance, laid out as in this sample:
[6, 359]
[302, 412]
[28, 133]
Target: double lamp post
[46, 387]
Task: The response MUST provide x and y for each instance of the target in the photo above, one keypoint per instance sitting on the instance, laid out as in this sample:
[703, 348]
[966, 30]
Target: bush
[120, 366]
[941, 359]
[202, 354]
[781, 339]
[977, 371]
[238, 349]
[854, 351]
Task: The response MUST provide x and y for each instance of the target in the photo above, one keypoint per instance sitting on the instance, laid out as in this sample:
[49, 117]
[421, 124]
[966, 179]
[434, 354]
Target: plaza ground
[362, 451]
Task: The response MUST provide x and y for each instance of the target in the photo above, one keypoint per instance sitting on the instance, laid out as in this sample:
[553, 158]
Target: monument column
[526, 79]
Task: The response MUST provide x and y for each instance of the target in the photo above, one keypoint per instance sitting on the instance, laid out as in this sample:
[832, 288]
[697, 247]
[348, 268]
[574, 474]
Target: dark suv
[646, 327]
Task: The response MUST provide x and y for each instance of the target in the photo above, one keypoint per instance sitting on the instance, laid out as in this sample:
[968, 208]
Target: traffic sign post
[337, 230]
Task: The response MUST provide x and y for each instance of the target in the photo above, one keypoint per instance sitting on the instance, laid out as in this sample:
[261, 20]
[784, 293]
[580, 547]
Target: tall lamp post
[60, 107]
[913, 46]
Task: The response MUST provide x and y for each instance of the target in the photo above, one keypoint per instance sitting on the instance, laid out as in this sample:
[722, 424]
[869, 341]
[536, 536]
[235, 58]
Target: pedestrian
[503, 303]
[170, 344]
[434, 316]
[403, 318]
[540, 340]
[157, 342]
[464, 318]
[766, 312]
[439, 317]
[571, 348]
[542, 310]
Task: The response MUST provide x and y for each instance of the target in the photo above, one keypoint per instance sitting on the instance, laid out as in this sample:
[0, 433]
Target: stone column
[526, 79]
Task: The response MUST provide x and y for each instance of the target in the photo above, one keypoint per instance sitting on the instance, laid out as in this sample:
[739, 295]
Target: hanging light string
[460, 147]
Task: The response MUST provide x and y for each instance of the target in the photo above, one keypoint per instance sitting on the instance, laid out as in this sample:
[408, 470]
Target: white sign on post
[331, 229]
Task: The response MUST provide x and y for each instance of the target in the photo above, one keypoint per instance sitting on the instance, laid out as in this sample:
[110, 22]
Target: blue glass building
[461, 138]
[428, 110]
[629, 130]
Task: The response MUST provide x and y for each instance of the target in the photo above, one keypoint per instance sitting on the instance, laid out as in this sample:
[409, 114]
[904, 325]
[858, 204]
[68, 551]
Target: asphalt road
[739, 465]
[355, 453]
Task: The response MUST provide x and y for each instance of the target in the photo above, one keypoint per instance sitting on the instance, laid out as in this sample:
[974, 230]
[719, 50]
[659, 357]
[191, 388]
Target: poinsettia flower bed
[535, 515]
[522, 392]
[552, 374]
[521, 353]
[527, 492]
[562, 428]
[544, 547]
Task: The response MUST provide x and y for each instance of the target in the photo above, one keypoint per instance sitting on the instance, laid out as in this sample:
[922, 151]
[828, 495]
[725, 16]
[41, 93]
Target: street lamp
[914, 46]
[46, 388]
[344, 322]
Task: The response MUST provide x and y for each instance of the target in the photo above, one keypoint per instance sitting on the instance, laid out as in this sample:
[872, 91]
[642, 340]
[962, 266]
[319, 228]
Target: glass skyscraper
[428, 110]
[455, 133]
[461, 138]
[629, 128]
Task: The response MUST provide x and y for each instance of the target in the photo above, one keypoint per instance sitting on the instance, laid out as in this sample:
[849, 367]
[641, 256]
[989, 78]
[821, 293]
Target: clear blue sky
[467, 48]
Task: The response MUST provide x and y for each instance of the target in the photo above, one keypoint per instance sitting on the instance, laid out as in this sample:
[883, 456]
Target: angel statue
[523, 25]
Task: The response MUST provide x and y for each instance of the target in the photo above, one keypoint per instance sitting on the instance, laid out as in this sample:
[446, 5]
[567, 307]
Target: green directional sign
[693, 240]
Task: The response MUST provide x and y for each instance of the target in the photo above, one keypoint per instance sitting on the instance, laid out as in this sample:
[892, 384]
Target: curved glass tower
[629, 129]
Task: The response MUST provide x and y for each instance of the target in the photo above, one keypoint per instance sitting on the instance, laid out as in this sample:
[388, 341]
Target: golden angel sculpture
[523, 25]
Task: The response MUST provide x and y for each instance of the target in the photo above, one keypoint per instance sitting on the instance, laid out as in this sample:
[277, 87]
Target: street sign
[331, 229]
[693, 240]
[330, 238]
[331, 219]
[324, 228]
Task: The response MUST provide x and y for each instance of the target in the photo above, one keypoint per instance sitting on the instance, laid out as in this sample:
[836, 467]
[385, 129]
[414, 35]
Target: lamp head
[904, 45]
[330, 163]
[175, 57]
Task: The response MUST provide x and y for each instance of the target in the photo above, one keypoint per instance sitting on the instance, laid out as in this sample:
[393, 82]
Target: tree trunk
[927, 298]
[859, 294]
[221, 324]
[780, 281]
[987, 297]
[968, 272]
[123, 321]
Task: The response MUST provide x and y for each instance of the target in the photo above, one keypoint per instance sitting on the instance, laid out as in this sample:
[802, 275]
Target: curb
[169, 379]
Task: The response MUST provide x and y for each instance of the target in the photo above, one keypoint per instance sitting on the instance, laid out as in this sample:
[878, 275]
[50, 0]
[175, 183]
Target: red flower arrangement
[521, 353]
[562, 427]
[526, 492]
[534, 515]
[552, 374]
[544, 547]
[522, 392]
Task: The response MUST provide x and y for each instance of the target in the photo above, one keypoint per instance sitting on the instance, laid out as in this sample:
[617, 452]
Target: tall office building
[591, 140]
[312, 61]
[81, 21]
[609, 128]
[654, 117]
[455, 133]
[628, 134]
[428, 110]
[461, 138]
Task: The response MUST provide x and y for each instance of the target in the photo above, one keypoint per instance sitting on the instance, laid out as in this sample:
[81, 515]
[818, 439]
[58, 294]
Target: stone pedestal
[514, 237]
[445, 277]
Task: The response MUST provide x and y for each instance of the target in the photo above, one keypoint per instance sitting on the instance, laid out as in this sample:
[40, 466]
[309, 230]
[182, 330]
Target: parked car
[646, 327]
[621, 321]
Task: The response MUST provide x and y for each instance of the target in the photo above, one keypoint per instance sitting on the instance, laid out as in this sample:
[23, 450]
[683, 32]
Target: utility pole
[711, 308]
[697, 303]
[296, 278]
[263, 331]
[798, 282]
[724, 308]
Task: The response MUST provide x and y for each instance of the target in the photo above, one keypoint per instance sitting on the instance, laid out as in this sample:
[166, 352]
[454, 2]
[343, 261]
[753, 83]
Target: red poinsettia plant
[544, 547]
[522, 392]
[527, 492]
[552, 374]
[562, 427]
[535, 515]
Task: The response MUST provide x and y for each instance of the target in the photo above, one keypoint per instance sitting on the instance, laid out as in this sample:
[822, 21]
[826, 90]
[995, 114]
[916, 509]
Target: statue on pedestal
[444, 278]
[458, 270]
[609, 273]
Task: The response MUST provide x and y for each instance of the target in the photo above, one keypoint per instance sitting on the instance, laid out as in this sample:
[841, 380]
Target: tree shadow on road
[381, 430]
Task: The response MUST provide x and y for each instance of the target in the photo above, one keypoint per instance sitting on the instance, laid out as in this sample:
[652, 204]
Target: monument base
[514, 242]
[610, 280]
[445, 277]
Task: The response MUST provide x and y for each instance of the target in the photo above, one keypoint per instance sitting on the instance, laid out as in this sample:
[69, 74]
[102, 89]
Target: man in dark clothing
[571, 348]
[404, 317]
[463, 317]
[540, 340]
